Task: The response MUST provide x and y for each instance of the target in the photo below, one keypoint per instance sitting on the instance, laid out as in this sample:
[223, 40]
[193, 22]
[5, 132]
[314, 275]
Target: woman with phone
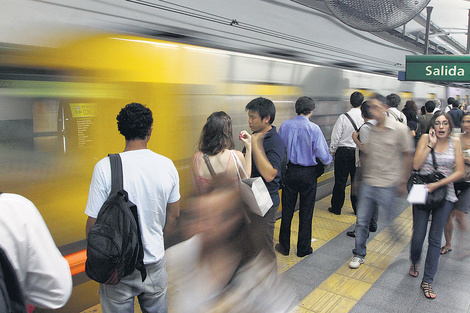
[448, 154]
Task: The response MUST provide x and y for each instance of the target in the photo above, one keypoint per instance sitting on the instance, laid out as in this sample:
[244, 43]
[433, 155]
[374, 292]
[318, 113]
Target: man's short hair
[304, 105]
[356, 99]
[264, 107]
[430, 105]
[454, 102]
[380, 98]
[393, 100]
[134, 121]
[365, 110]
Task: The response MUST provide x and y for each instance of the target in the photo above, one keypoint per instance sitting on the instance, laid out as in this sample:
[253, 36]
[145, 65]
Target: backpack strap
[399, 119]
[116, 173]
[209, 165]
[359, 135]
[434, 162]
[352, 122]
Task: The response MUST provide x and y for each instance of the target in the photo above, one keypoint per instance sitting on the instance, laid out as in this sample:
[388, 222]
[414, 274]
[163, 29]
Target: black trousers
[303, 180]
[345, 165]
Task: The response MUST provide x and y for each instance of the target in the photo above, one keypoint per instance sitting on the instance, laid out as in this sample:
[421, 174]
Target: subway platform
[323, 281]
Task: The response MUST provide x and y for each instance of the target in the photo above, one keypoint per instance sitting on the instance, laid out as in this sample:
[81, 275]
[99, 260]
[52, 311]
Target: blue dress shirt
[304, 141]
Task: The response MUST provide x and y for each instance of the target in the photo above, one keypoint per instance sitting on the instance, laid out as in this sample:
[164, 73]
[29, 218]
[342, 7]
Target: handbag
[253, 191]
[436, 198]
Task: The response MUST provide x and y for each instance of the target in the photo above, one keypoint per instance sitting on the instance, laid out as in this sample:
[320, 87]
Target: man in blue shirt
[268, 154]
[305, 146]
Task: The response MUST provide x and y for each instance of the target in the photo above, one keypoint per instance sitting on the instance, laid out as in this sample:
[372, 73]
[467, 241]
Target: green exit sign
[449, 68]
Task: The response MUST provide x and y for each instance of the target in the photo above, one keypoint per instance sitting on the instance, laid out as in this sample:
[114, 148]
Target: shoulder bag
[436, 198]
[253, 191]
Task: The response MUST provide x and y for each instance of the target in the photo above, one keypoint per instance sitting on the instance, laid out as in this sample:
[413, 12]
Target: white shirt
[341, 135]
[364, 133]
[398, 113]
[152, 181]
[44, 275]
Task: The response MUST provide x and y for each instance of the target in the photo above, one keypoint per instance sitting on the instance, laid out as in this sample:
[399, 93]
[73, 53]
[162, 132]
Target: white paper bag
[418, 194]
[253, 191]
[255, 195]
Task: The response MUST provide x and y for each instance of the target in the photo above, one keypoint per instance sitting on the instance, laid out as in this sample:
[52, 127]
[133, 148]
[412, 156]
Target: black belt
[346, 148]
[298, 165]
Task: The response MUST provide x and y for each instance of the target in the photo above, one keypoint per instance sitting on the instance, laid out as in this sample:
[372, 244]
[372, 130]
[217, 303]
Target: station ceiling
[296, 29]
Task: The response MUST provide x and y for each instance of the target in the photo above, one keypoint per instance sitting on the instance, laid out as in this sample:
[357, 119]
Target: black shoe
[301, 255]
[372, 229]
[331, 211]
[351, 233]
[281, 250]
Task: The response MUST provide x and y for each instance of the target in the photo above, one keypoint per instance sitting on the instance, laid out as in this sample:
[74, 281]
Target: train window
[45, 124]
[247, 69]
[16, 123]
[282, 73]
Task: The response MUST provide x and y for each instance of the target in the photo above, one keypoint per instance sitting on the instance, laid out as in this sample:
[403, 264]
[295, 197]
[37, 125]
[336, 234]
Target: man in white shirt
[152, 183]
[393, 101]
[343, 148]
[42, 272]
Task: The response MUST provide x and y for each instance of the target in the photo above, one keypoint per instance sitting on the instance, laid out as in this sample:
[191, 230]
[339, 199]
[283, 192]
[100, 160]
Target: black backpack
[11, 296]
[114, 245]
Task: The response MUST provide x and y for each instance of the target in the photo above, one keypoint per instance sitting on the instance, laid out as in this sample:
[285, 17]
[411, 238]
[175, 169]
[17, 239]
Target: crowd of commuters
[226, 260]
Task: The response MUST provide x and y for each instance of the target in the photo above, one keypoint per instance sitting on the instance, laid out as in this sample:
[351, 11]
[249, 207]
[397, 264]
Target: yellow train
[58, 108]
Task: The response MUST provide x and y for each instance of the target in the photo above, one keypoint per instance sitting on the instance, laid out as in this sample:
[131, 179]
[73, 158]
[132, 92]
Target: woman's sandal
[445, 250]
[427, 290]
[414, 270]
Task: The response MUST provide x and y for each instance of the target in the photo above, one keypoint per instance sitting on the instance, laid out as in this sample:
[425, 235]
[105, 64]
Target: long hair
[410, 110]
[216, 134]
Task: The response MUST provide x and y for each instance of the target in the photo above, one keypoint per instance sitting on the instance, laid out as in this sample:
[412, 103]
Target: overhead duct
[373, 15]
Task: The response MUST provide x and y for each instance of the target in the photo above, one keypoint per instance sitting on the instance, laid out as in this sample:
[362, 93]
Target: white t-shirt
[398, 115]
[341, 135]
[44, 275]
[152, 181]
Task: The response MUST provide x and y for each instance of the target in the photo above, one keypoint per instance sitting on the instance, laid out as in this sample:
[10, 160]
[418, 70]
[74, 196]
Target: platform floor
[323, 281]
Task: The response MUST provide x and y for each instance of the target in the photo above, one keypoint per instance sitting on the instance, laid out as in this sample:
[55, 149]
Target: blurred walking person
[387, 160]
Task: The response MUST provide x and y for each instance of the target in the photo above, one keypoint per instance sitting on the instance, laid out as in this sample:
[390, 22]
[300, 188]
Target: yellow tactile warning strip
[343, 289]
[325, 226]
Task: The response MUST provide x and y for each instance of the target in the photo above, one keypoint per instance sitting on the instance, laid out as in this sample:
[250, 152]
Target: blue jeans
[370, 198]
[151, 293]
[420, 227]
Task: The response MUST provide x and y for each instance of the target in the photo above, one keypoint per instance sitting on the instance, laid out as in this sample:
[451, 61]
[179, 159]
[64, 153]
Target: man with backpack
[151, 182]
[32, 269]
[393, 101]
[343, 149]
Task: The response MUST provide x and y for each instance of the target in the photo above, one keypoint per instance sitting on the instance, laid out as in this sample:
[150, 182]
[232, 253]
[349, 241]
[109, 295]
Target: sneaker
[351, 233]
[281, 250]
[356, 262]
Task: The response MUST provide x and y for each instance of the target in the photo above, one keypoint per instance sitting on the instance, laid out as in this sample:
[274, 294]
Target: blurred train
[58, 108]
